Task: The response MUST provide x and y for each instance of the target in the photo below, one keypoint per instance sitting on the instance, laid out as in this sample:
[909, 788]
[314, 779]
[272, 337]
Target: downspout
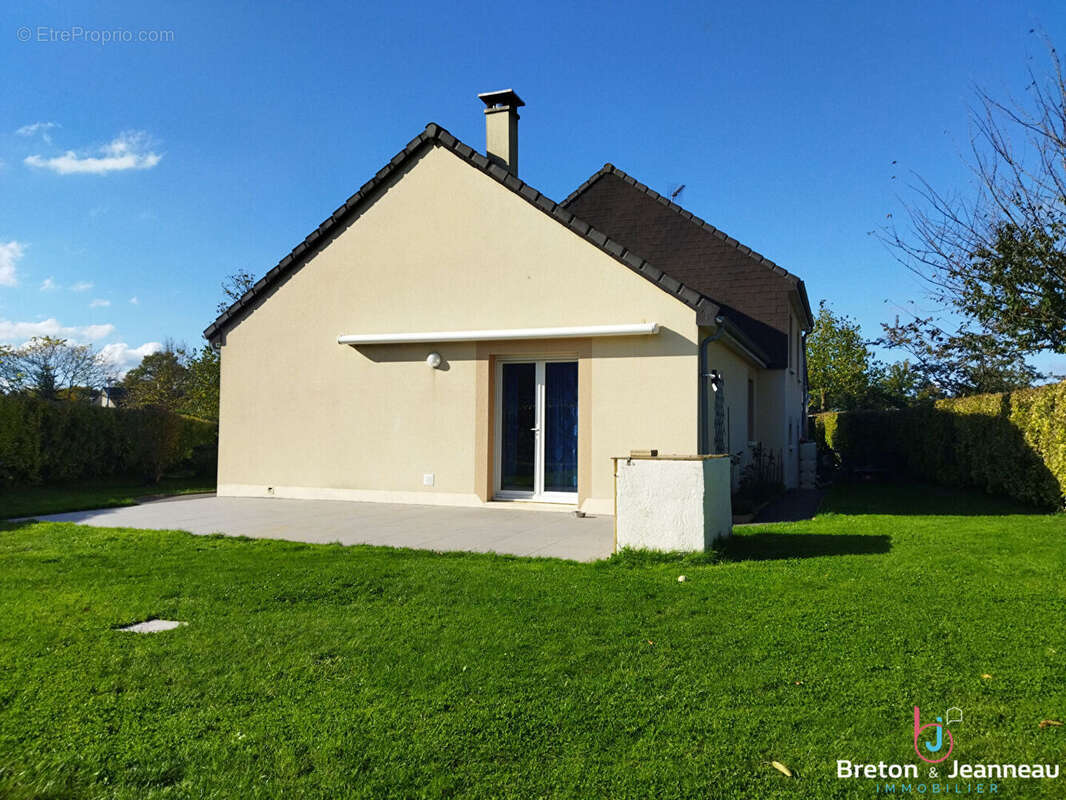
[704, 386]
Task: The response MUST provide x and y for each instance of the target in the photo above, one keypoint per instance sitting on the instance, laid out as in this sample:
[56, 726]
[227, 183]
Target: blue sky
[136, 175]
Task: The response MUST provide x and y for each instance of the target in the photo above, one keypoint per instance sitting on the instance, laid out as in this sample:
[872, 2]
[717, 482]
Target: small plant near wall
[760, 481]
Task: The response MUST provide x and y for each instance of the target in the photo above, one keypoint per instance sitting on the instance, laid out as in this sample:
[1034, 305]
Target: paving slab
[522, 532]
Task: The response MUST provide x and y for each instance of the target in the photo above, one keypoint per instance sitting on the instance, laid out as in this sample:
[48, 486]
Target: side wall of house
[736, 371]
[781, 410]
[444, 247]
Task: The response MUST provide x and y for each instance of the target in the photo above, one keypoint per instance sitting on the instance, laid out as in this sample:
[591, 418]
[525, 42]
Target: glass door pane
[560, 426]
[518, 420]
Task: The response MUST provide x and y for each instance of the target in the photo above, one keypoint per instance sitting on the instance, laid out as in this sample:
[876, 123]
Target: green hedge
[1011, 444]
[45, 442]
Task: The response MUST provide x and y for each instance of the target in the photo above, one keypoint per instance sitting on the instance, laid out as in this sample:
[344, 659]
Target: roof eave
[745, 342]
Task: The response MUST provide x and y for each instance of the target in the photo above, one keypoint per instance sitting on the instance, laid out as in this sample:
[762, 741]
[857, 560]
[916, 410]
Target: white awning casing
[574, 332]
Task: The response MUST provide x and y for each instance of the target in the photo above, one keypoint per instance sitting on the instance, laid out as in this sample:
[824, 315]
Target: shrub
[1011, 444]
[45, 442]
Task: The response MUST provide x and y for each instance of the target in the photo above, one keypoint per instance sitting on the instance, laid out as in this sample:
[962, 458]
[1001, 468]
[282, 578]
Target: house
[109, 397]
[449, 335]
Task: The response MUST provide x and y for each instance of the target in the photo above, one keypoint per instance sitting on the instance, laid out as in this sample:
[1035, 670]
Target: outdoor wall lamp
[433, 359]
[716, 380]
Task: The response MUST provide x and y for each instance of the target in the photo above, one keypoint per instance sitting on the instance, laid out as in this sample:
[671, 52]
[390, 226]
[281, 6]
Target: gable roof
[751, 290]
[434, 135]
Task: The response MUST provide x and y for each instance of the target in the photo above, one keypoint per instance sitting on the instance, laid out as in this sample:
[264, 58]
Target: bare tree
[998, 259]
[50, 368]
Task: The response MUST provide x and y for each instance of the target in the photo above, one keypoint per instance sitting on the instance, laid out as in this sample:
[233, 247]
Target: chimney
[501, 127]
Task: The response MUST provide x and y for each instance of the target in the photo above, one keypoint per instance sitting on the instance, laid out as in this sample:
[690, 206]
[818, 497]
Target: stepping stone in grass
[153, 626]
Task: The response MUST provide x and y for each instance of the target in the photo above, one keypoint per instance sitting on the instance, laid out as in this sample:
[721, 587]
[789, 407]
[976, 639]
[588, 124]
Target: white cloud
[20, 332]
[134, 301]
[81, 286]
[128, 150]
[10, 253]
[98, 303]
[42, 128]
[125, 357]
[49, 285]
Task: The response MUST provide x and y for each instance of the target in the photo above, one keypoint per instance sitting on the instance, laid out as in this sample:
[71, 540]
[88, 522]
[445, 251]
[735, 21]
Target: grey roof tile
[745, 286]
[671, 284]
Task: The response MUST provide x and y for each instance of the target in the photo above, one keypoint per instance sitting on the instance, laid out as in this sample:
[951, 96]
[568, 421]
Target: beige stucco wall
[780, 418]
[735, 370]
[771, 425]
[779, 410]
[785, 399]
[444, 248]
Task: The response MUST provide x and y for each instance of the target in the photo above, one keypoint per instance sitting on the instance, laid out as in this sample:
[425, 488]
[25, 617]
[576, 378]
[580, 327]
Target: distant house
[109, 397]
[450, 335]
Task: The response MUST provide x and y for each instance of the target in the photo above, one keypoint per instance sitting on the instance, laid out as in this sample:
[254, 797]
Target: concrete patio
[513, 531]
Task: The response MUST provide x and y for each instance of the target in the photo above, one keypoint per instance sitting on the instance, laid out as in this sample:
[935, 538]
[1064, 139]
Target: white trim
[427, 498]
[538, 495]
[572, 332]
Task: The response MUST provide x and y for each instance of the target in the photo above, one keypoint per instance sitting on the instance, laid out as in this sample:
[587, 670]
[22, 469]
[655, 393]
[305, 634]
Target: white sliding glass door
[536, 430]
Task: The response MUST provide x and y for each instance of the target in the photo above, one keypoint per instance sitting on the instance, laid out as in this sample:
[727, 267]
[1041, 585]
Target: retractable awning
[573, 332]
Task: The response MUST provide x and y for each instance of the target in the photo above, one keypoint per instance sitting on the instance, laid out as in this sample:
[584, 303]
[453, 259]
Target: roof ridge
[606, 169]
[759, 258]
[434, 133]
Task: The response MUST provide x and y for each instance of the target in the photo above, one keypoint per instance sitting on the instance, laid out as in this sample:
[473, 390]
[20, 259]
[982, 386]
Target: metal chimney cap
[503, 97]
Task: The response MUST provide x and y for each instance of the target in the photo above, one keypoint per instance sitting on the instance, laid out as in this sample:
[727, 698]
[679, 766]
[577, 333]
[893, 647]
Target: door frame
[538, 495]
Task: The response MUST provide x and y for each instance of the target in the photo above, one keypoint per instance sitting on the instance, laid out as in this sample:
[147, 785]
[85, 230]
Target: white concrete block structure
[672, 502]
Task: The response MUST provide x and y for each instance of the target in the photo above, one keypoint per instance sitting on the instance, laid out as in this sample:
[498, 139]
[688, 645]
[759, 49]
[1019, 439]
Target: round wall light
[433, 359]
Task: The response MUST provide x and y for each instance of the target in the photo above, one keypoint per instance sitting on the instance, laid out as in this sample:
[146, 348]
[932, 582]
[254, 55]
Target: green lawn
[21, 501]
[322, 671]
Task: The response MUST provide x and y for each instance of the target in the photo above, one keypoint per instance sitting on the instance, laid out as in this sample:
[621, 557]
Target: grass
[322, 671]
[21, 501]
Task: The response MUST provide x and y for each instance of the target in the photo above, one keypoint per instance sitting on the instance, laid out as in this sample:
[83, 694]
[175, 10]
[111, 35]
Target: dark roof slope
[432, 136]
[752, 290]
